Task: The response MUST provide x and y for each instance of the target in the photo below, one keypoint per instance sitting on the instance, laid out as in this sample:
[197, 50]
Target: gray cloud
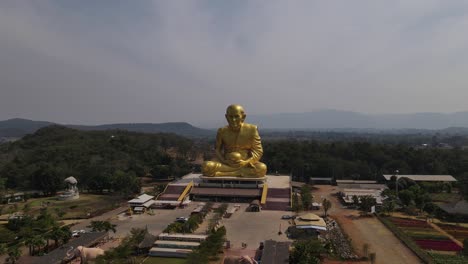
[143, 61]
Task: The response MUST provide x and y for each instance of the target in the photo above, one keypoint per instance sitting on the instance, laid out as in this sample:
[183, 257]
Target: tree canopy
[99, 160]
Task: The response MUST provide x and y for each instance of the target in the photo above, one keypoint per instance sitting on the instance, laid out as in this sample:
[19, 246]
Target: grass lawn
[87, 203]
[160, 260]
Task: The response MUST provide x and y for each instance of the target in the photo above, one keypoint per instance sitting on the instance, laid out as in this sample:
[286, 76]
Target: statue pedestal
[68, 196]
[231, 182]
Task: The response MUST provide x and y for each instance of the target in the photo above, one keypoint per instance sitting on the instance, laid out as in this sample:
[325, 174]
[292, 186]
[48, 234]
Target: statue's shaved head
[235, 108]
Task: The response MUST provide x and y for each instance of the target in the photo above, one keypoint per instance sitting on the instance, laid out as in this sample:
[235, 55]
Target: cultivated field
[366, 230]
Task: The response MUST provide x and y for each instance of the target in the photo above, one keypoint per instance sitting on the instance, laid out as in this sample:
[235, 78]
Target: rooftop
[56, 256]
[435, 178]
[354, 182]
[141, 199]
[460, 207]
[275, 252]
[310, 220]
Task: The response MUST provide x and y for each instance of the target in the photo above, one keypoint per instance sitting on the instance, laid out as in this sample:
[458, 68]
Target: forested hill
[179, 128]
[19, 127]
[98, 159]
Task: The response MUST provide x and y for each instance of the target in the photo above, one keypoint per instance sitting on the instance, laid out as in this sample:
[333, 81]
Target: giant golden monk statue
[238, 149]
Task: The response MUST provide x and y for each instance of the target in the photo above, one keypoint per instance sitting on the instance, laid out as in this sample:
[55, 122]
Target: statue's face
[235, 117]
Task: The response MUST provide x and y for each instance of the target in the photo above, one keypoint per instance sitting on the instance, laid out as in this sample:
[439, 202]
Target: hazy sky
[89, 62]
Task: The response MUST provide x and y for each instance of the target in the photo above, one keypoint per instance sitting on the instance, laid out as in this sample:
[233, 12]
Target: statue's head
[235, 116]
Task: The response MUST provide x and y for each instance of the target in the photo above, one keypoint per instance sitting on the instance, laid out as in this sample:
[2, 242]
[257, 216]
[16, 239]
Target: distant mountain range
[15, 128]
[334, 119]
[328, 120]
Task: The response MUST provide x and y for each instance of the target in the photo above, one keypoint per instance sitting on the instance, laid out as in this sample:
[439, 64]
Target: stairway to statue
[172, 193]
[278, 199]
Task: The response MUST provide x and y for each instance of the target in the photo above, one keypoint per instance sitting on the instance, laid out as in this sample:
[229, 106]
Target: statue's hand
[234, 163]
[242, 163]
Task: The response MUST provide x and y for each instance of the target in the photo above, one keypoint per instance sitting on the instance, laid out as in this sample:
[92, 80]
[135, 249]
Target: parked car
[286, 217]
[181, 219]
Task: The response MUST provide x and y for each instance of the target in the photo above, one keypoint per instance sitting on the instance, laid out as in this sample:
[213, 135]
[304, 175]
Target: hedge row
[422, 254]
[448, 259]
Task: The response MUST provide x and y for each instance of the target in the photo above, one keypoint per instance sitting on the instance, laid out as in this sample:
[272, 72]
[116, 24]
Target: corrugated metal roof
[355, 181]
[275, 252]
[443, 178]
[59, 253]
[141, 199]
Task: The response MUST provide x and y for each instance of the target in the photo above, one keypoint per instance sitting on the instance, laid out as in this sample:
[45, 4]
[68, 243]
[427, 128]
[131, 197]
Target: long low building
[348, 194]
[169, 252]
[423, 178]
[175, 245]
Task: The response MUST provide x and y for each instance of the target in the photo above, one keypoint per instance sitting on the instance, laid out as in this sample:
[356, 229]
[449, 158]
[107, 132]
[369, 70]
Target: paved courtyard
[255, 227]
[156, 223]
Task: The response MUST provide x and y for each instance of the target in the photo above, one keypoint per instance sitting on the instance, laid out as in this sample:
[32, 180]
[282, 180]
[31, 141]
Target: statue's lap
[212, 168]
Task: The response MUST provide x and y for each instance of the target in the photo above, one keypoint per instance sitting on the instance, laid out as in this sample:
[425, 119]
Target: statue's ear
[243, 117]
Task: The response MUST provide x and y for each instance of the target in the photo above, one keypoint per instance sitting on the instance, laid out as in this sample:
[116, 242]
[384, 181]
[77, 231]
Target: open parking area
[156, 223]
[255, 227]
[243, 227]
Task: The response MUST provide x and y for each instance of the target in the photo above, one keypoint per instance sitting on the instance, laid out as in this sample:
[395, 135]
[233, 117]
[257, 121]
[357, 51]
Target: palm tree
[102, 226]
[55, 234]
[66, 234]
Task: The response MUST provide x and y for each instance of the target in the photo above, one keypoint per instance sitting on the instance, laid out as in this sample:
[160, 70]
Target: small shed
[254, 206]
[141, 203]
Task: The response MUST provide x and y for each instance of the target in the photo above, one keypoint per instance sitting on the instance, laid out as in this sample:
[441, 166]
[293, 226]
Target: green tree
[2, 189]
[421, 199]
[99, 226]
[38, 241]
[306, 252]
[29, 241]
[406, 197]
[388, 205]
[14, 253]
[355, 200]
[59, 234]
[125, 183]
[306, 197]
[3, 249]
[326, 204]
[296, 206]
[366, 204]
